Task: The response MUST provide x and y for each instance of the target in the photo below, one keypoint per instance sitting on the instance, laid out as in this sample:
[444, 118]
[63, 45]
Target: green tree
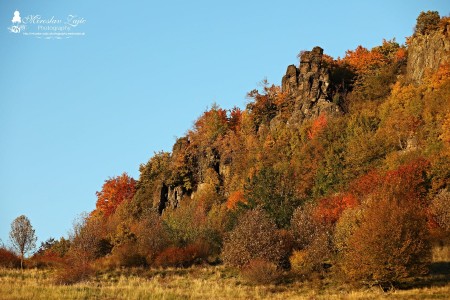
[274, 193]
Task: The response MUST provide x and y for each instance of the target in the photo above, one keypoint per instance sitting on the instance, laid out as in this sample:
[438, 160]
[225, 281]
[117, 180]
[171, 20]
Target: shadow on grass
[439, 275]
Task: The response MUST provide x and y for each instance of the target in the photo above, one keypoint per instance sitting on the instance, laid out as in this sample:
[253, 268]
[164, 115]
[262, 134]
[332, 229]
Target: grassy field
[192, 283]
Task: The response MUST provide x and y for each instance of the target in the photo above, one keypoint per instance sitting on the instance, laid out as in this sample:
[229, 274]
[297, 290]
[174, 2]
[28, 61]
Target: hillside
[341, 170]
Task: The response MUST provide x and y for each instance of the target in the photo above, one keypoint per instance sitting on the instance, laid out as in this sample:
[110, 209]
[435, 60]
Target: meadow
[199, 283]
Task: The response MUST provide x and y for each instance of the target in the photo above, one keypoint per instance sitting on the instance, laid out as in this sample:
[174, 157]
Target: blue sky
[76, 111]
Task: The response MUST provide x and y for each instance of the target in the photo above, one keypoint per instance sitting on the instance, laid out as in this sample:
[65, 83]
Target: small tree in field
[22, 236]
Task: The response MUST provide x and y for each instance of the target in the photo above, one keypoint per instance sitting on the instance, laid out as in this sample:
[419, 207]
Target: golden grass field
[211, 282]
[192, 283]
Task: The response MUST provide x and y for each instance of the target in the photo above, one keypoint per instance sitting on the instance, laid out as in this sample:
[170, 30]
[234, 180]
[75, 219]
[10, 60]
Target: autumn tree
[364, 60]
[235, 118]
[390, 245]
[427, 22]
[115, 191]
[263, 108]
[318, 126]
[389, 240]
[22, 236]
[376, 70]
[211, 125]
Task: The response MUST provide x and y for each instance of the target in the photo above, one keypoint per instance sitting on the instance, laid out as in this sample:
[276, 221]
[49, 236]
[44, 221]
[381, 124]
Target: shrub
[151, 236]
[46, 259]
[314, 258]
[303, 226]
[254, 237]
[183, 257]
[297, 260]
[72, 273]
[440, 210]
[260, 271]
[127, 255]
[390, 244]
[345, 227]
[8, 259]
[186, 223]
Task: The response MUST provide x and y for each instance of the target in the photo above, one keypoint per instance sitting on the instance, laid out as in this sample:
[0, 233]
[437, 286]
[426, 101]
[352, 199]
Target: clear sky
[76, 111]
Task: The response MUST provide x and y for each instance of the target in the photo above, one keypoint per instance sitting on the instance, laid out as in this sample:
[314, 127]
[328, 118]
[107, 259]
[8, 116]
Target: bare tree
[22, 236]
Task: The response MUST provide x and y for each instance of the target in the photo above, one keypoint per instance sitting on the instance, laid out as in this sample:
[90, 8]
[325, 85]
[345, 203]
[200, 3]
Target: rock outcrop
[309, 86]
[169, 197]
[426, 52]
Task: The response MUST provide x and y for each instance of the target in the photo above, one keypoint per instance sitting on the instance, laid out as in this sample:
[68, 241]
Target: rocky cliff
[309, 86]
[427, 52]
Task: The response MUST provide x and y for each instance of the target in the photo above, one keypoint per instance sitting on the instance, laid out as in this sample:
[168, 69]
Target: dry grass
[193, 283]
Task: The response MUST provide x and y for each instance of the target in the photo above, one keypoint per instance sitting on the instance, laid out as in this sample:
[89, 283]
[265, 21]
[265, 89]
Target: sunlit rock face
[309, 86]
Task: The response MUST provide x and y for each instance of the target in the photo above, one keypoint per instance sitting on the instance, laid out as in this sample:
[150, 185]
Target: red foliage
[48, 258]
[318, 126]
[366, 184]
[330, 209]
[114, 192]
[9, 259]
[182, 257]
[406, 182]
[235, 119]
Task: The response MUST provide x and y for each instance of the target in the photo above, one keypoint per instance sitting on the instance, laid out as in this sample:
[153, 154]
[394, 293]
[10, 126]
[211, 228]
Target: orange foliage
[328, 59]
[234, 199]
[114, 192]
[363, 60]
[441, 76]
[318, 126]
[401, 54]
[212, 124]
[330, 209]
[445, 137]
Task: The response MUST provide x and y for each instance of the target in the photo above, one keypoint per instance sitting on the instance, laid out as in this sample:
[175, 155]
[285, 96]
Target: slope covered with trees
[343, 169]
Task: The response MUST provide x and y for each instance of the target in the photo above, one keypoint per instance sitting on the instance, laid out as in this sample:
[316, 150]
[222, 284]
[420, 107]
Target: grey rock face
[169, 197]
[309, 86]
[427, 52]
